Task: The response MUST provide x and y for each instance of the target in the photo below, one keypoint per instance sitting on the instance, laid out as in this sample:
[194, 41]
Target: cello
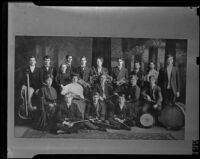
[26, 107]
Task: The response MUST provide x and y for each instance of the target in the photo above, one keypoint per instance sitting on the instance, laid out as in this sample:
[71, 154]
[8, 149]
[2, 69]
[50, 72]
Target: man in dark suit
[67, 114]
[120, 76]
[85, 74]
[152, 98]
[140, 74]
[47, 69]
[68, 61]
[34, 80]
[99, 70]
[169, 81]
[105, 89]
[96, 112]
[122, 116]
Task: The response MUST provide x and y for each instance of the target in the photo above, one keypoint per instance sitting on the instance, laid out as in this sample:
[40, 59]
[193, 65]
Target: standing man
[47, 69]
[69, 59]
[169, 81]
[35, 84]
[122, 116]
[84, 76]
[98, 70]
[137, 71]
[68, 113]
[120, 76]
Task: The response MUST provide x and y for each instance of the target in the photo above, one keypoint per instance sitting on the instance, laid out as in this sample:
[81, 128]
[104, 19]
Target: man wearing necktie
[169, 81]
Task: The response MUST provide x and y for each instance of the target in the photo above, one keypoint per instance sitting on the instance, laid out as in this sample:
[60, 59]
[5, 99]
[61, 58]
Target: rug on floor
[94, 134]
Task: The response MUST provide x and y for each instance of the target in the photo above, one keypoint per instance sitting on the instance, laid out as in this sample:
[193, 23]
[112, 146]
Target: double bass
[25, 109]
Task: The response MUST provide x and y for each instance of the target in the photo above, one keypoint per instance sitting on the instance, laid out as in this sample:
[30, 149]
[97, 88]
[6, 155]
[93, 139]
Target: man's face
[133, 81]
[69, 59]
[99, 62]
[47, 62]
[75, 79]
[32, 61]
[49, 82]
[120, 62]
[170, 60]
[83, 61]
[152, 80]
[95, 99]
[152, 66]
[68, 99]
[63, 68]
[103, 79]
[121, 100]
[137, 65]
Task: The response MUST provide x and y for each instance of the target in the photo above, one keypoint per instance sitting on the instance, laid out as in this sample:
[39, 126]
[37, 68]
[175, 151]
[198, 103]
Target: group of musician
[69, 99]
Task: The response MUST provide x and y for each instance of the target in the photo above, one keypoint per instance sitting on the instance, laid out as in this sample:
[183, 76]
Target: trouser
[170, 97]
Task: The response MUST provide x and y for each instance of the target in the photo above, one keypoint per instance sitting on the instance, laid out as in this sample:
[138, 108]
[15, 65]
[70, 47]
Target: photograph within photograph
[100, 88]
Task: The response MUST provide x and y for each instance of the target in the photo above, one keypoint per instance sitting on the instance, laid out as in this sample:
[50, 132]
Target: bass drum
[173, 117]
[147, 120]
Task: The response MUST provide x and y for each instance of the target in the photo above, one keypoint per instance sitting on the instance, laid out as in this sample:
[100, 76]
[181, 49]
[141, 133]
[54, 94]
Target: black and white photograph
[102, 79]
[101, 88]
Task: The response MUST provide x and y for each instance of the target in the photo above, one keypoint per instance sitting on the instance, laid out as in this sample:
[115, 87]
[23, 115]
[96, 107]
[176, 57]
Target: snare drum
[147, 120]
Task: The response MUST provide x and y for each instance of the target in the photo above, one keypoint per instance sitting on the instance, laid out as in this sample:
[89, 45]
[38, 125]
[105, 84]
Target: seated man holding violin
[68, 116]
[122, 116]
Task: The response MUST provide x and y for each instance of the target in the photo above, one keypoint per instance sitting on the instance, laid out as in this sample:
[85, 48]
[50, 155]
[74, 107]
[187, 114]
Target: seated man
[67, 114]
[133, 94]
[96, 112]
[152, 98]
[122, 116]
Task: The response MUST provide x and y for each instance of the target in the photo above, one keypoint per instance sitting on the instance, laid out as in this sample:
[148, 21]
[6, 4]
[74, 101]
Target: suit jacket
[84, 74]
[154, 93]
[140, 75]
[108, 90]
[93, 112]
[174, 80]
[34, 77]
[44, 72]
[103, 71]
[119, 74]
[72, 113]
[63, 79]
[134, 93]
[125, 113]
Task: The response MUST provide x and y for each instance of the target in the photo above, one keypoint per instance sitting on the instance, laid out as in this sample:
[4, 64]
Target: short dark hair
[137, 62]
[47, 76]
[170, 55]
[120, 58]
[152, 76]
[100, 58]
[30, 57]
[46, 57]
[83, 57]
[66, 57]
